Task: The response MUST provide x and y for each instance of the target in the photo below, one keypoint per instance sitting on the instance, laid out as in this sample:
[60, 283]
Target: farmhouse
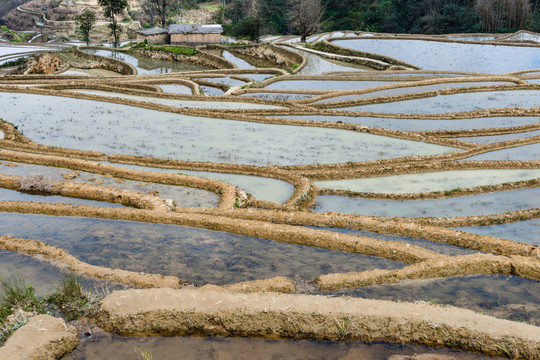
[155, 35]
[194, 34]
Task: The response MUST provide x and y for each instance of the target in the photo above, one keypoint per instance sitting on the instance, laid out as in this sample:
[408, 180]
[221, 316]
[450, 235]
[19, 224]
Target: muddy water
[440, 248]
[114, 128]
[12, 195]
[411, 89]
[261, 188]
[424, 125]
[522, 231]
[197, 255]
[435, 181]
[45, 277]
[496, 59]
[498, 138]
[526, 152]
[184, 196]
[507, 297]
[474, 205]
[109, 346]
[225, 105]
[176, 89]
[442, 104]
[240, 63]
[146, 65]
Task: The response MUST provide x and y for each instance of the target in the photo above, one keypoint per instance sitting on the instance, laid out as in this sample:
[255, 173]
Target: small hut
[155, 35]
[194, 34]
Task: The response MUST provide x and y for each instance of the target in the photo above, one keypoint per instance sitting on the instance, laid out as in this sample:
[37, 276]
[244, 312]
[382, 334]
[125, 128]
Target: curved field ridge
[454, 56]
[212, 311]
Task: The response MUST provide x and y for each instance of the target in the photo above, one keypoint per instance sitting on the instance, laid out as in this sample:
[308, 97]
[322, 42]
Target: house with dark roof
[195, 34]
[155, 35]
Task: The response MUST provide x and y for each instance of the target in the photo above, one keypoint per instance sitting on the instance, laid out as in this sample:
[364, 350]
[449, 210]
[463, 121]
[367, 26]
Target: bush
[4, 28]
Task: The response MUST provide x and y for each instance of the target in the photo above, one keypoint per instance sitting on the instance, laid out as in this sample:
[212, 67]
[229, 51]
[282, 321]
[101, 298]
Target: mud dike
[335, 147]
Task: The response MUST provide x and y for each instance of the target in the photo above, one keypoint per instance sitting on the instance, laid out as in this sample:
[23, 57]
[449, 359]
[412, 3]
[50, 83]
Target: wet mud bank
[211, 311]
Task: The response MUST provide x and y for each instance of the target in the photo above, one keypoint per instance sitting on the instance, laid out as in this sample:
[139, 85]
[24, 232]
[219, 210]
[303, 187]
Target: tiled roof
[195, 29]
[153, 31]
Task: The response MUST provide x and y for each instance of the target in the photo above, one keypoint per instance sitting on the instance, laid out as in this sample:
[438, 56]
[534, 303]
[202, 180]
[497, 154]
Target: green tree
[86, 21]
[110, 9]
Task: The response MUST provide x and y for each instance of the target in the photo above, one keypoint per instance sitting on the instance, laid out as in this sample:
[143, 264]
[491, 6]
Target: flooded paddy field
[411, 89]
[262, 188]
[473, 205]
[197, 255]
[183, 196]
[440, 248]
[362, 233]
[457, 102]
[525, 152]
[105, 344]
[523, 231]
[145, 65]
[423, 124]
[114, 128]
[482, 58]
[431, 181]
[506, 297]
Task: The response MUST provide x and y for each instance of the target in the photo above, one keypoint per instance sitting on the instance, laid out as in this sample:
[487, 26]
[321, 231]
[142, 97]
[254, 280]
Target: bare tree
[306, 16]
[160, 8]
[503, 14]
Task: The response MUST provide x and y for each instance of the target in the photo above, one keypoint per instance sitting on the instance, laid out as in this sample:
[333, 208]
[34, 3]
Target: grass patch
[11, 63]
[180, 50]
[72, 301]
[214, 7]
[16, 295]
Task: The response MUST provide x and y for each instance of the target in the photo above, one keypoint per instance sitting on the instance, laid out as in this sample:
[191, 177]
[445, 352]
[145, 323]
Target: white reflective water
[521, 231]
[433, 55]
[434, 181]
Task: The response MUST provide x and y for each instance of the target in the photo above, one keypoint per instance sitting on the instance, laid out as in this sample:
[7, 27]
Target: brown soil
[213, 311]
[43, 337]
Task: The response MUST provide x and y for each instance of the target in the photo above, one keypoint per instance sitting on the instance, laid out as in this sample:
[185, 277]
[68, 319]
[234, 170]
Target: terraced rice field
[398, 210]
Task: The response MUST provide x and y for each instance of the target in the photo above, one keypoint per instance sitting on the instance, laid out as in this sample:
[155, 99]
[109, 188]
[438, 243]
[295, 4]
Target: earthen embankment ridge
[272, 307]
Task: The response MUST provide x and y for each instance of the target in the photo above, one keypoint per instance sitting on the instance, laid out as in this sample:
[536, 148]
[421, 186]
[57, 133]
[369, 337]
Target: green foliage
[250, 27]
[16, 294]
[110, 9]
[70, 299]
[4, 28]
[86, 21]
[15, 62]
[181, 50]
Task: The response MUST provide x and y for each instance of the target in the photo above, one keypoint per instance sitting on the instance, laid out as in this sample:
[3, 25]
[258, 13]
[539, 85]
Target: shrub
[72, 301]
